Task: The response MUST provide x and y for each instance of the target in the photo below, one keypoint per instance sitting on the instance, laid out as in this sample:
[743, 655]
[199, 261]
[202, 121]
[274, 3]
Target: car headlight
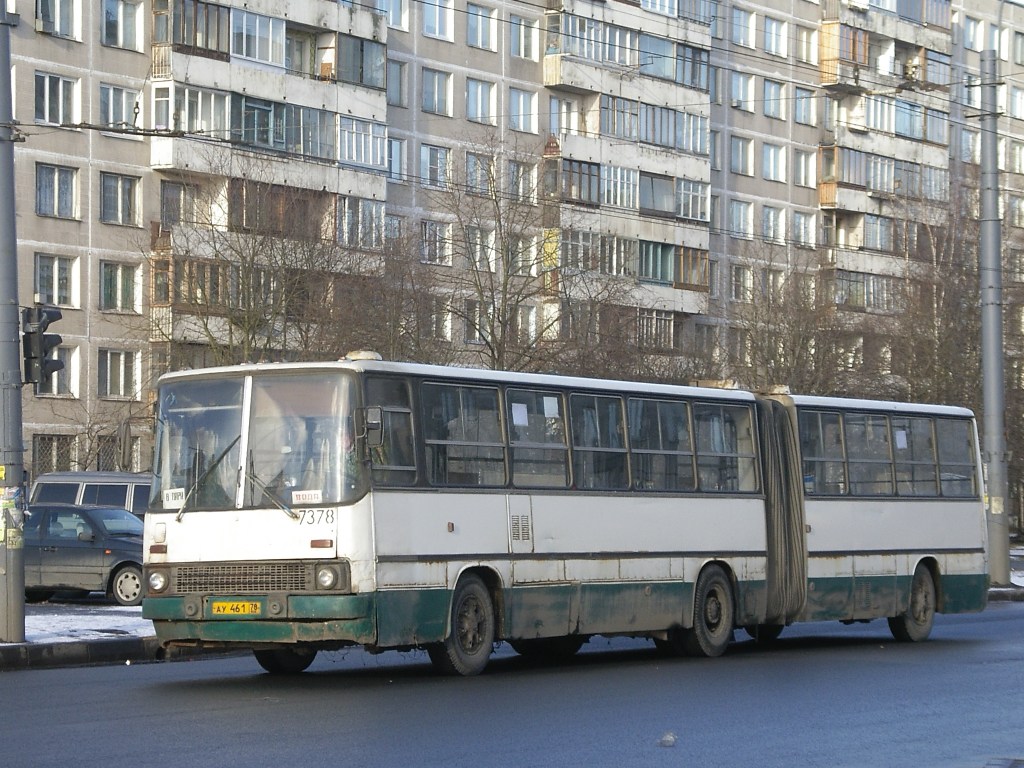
[327, 577]
[157, 581]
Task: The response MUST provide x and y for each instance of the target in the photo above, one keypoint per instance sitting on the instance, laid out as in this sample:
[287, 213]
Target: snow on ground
[100, 622]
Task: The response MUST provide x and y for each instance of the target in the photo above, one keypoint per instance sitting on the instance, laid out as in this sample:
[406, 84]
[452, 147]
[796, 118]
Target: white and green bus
[314, 506]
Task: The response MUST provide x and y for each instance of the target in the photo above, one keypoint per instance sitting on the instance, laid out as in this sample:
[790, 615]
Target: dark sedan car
[85, 549]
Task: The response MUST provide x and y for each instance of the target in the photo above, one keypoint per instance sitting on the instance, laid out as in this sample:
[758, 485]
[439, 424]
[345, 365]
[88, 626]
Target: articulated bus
[307, 507]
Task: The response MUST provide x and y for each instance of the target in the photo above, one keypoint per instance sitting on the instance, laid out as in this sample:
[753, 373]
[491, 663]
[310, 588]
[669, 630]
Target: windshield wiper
[250, 474]
[202, 478]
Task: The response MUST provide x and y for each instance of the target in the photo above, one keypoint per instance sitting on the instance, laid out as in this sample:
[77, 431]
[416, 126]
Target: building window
[803, 106]
[741, 155]
[741, 283]
[437, 18]
[972, 34]
[52, 453]
[741, 219]
[394, 12]
[480, 27]
[523, 37]
[479, 317]
[657, 261]
[396, 160]
[480, 249]
[119, 287]
[257, 37]
[521, 182]
[121, 23]
[806, 45]
[657, 194]
[563, 115]
[479, 101]
[773, 99]
[693, 199]
[56, 17]
[360, 222]
[119, 106]
[803, 168]
[361, 61]
[118, 374]
[742, 27]
[436, 243]
[878, 232]
[118, 199]
[773, 162]
[655, 329]
[396, 83]
[55, 99]
[434, 164]
[363, 142]
[742, 91]
[774, 36]
[522, 110]
[59, 383]
[436, 319]
[436, 91]
[55, 191]
[479, 173]
[803, 229]
[581, 181]
[773, 224]
[53, 279]
[693, 267]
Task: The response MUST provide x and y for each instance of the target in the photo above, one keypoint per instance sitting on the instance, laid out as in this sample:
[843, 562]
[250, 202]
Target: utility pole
[990, 273]
[12, 468]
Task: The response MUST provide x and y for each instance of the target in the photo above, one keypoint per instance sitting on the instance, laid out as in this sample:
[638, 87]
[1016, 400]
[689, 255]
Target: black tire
[549, 648]
[38, 595]
[470, 640]
[285, 661]
[915, 624]
[126, 585]
[713, 615]
[764, 634]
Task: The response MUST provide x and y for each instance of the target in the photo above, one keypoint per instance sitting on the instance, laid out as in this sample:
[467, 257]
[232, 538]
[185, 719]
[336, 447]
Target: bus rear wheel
[470, 640]
[285, 661]
[713, 615]
[915, 624]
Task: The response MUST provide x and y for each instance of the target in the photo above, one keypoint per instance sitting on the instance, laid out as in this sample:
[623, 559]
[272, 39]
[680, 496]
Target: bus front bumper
[252, 620]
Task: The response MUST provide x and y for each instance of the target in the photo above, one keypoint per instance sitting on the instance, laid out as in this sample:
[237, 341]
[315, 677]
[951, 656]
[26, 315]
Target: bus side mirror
[374, 426]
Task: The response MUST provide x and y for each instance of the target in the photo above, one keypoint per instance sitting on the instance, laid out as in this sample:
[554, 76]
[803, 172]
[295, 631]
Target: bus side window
[659, 436]
[957, 473]
[537, 436]
[393, 462]
[821, 446]
[598, 442]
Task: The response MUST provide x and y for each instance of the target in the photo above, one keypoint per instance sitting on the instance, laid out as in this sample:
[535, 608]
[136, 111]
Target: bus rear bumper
[322, 619]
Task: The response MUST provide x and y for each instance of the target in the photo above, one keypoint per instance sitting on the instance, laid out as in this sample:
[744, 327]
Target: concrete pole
[990, 274]
[12, 569]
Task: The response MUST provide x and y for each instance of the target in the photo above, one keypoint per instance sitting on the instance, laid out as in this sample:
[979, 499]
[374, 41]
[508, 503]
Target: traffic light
[37, 344]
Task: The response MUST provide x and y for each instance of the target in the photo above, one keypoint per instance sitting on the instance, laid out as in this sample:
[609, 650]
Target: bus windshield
[299, 443]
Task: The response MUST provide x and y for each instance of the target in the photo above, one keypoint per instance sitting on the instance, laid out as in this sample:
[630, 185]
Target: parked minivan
[129, 490]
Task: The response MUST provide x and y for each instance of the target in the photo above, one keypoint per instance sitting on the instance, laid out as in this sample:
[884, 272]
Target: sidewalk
[83, 633]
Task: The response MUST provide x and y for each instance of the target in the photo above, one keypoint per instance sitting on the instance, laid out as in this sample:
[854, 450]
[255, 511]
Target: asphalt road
[827, 695]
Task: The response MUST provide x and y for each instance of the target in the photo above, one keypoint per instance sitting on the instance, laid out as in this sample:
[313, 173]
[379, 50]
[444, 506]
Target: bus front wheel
[713, 615]
[467, 648]
[915, 624]
[285, 661]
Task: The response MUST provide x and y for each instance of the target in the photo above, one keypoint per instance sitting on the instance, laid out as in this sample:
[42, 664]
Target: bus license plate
[236, 608]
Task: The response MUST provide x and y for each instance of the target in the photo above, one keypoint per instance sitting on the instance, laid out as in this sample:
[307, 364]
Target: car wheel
[126, 586]
[38, 595]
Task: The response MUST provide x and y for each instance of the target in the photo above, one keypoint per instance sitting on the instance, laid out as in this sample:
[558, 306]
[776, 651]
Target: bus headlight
[157, 581]
[327, 577]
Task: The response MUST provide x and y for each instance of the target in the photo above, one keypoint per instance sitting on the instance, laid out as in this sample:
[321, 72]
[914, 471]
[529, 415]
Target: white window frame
[435, 166]
[118, 374]
[121, 24]
[125, 191]
[522, 110]
[480, 106]
[480, 26]
[62, 200]
[437, 17]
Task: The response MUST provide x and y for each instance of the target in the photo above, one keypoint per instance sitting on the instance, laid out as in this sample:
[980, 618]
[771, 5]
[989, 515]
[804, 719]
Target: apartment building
[571, 169]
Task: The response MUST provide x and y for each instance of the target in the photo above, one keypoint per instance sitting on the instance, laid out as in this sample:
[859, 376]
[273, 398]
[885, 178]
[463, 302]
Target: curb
[136, 650]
